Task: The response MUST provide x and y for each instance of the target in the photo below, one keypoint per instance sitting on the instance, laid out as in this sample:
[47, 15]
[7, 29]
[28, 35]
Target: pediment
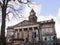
[24, 23]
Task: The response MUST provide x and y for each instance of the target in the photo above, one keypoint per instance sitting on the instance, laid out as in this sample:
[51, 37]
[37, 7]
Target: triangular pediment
[24, 23]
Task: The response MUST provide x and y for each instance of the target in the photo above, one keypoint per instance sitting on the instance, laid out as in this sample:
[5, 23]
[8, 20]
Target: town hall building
[34, 31]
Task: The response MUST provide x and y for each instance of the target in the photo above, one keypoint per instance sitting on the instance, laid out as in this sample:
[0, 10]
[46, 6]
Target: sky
[49, 6]
[45, 10]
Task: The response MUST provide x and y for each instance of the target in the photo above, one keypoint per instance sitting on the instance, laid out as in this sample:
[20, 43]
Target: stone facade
[35, 31]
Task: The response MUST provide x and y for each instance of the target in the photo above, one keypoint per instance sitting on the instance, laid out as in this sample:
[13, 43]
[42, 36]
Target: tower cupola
[32, 17]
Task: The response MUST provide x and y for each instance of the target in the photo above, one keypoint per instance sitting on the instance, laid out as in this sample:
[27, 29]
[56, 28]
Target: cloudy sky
[45, 10]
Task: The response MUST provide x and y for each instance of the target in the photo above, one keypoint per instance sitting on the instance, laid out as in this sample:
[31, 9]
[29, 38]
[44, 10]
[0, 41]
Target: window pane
[20, 30]
[25, 29]
[16, 29]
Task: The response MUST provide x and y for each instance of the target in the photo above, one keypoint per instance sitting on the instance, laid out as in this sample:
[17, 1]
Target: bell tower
[32, 17]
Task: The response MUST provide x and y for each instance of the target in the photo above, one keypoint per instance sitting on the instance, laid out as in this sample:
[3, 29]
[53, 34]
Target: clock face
[32, 13]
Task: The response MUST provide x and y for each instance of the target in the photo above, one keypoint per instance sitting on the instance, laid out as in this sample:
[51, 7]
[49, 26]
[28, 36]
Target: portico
[26, 31]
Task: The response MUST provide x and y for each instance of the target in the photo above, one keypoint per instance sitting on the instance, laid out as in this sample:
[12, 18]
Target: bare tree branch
[23, 2]
[14, 12]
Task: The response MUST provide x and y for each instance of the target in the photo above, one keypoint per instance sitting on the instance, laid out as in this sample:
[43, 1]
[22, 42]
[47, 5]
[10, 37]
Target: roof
[26, 22]
[48, 22]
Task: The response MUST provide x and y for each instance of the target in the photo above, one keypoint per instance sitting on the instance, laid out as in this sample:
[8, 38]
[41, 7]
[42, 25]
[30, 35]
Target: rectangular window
[16, 29]
[20, 30]
[43, 31]
[30, 29]
[25, 29]
[35, 28]
[51, 30]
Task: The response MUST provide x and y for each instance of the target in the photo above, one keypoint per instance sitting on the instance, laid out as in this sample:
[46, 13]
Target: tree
[4, 6]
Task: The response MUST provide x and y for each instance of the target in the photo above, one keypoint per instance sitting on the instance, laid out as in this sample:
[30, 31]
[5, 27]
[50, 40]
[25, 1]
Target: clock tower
[32, 17]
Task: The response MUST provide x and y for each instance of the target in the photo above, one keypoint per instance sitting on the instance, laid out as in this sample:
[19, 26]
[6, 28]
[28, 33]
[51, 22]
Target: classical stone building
[43, 31]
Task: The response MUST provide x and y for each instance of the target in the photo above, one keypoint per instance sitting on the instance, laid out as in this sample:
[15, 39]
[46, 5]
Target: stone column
[33, 29]
[38, 36]
[18, 33]
[32, 36]
[22, 33]
[39, 33]
[15, 34]
[28, 33]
